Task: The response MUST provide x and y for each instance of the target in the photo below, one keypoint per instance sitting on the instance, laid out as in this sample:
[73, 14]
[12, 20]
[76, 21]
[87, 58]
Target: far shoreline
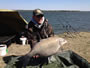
[59, 10]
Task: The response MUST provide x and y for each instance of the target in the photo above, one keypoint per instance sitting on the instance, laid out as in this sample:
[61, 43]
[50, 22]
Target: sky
[82, 5]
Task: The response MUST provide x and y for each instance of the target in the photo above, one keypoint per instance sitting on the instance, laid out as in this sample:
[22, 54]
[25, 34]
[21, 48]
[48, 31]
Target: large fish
[45, 48]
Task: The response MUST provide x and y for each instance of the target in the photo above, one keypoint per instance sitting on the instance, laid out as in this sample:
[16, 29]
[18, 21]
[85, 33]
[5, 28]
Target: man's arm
[50, 31]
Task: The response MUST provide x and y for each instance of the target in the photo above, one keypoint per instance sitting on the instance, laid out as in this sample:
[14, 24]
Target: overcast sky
[83, 5]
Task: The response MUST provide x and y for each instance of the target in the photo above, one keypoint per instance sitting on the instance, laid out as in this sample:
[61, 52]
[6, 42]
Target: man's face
[38, 18]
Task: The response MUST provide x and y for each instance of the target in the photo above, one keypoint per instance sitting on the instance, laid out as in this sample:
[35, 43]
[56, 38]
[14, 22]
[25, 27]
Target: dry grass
[79, 43]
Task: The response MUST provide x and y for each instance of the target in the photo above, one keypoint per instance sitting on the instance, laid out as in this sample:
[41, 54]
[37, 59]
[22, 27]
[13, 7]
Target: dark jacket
[35, 34]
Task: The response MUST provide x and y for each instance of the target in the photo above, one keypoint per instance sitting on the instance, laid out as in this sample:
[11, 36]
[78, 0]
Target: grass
[77, 42]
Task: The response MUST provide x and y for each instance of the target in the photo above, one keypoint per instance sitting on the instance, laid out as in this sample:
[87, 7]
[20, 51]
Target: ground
[77, 42]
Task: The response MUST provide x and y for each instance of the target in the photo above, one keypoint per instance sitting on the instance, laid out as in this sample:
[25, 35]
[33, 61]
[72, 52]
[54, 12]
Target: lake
[64, 21]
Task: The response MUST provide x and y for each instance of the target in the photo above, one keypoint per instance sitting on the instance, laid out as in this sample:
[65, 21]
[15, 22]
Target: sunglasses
[39, 16]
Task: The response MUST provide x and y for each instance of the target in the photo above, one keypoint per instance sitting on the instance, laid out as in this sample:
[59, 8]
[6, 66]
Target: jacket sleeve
[31, 38]
[50, 30]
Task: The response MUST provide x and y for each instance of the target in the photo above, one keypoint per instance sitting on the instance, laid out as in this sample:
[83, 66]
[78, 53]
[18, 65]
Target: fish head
[62, 41]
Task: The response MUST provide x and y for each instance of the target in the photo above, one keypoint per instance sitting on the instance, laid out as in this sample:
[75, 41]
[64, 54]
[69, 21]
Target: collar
[36, 23]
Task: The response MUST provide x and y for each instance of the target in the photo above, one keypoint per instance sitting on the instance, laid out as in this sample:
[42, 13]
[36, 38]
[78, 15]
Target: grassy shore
[77, 42]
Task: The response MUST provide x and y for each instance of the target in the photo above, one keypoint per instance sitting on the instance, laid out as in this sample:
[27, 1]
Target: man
[38, 28]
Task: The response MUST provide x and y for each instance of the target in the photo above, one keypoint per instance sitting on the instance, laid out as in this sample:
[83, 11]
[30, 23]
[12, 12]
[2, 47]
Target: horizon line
[44, 10]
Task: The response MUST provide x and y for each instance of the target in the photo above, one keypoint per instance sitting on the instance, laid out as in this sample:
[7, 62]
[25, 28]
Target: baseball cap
[37, 12]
